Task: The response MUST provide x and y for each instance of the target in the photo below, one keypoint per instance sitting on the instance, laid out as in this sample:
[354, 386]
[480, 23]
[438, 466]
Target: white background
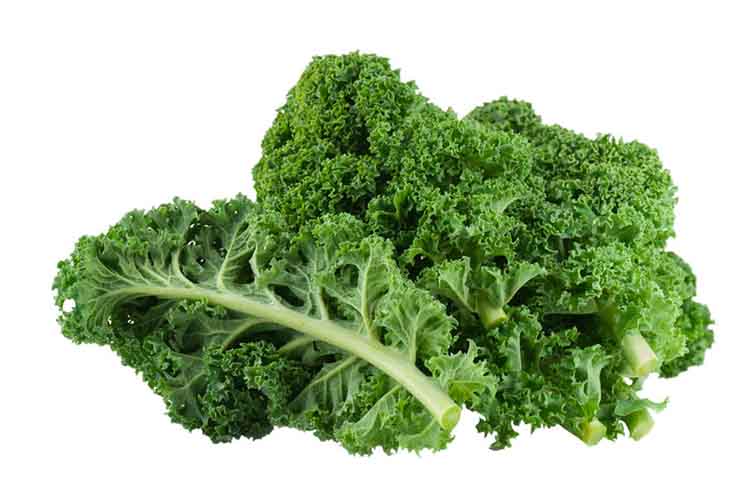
[108, 106]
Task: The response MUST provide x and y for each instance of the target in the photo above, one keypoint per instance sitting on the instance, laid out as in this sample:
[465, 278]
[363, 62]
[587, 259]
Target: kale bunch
[400, 264]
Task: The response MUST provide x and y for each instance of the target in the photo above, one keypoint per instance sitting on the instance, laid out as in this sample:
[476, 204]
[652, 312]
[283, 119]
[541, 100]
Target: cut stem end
[639, 424]
[592, 432]
[450, 418]
[491, 316]
[638, 353]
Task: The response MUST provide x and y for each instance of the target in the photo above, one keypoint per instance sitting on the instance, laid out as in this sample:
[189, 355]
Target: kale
[402, 263]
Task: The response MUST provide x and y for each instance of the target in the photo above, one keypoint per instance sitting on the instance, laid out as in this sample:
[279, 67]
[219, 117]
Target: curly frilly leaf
[240, 326]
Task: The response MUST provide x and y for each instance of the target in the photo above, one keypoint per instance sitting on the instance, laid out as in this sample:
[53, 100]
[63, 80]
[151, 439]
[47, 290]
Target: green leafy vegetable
[402, 263]
[241, 327]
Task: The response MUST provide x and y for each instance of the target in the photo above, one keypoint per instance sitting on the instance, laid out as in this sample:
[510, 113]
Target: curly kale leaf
[598, 225]
[352, 137]
[593, 190]
[546, 380]
[241, 326]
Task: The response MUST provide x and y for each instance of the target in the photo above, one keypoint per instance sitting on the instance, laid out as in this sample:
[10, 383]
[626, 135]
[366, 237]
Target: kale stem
[638, 354]
[490, 316]
[639, 423]
[592, 432]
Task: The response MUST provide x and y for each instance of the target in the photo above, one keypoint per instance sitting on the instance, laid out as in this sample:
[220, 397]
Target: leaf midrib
[392, 362]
